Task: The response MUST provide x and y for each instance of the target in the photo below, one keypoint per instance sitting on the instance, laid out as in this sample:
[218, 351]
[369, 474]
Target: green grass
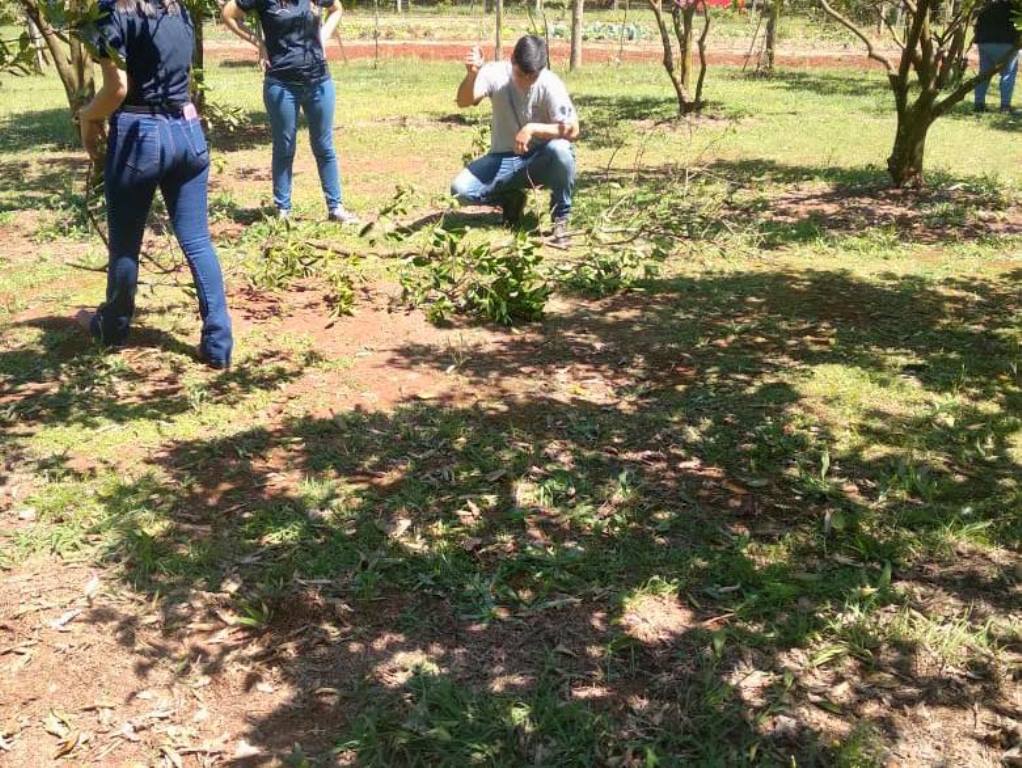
[807, 412]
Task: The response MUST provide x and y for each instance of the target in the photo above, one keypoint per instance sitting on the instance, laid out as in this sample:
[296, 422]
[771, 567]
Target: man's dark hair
[530, 54]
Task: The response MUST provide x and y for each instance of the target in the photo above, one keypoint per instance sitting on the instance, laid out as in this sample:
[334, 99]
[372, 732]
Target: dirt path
[454, 50]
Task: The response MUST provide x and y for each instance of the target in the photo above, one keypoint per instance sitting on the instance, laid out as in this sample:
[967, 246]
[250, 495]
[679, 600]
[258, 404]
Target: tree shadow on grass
[40, 183]
[38, 130]
[778, 204]
[823, 83]
[606, 542]
[253, 132]
[62, 376]
[605, 119]
[227, 208]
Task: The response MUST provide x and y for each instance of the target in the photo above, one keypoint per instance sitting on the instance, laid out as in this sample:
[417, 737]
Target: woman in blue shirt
[154, 140]
[296, 78]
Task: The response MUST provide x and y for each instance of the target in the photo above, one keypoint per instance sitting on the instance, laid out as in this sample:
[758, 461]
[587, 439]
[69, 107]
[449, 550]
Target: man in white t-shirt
[534, 125]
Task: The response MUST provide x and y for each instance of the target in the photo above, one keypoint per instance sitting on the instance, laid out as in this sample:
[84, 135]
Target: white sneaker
[342, 215]
[283, 214]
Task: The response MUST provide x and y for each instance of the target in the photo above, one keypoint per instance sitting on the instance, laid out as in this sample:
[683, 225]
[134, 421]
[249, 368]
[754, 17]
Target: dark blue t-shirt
[291, 34]
[156, 45]
[995, 25]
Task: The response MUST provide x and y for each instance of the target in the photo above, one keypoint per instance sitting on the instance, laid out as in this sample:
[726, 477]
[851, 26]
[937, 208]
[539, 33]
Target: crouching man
[533, 126]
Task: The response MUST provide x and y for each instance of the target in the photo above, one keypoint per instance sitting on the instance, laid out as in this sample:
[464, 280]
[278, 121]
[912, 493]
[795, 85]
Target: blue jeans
[283, 100]
[490, 178]
[143, 152]
[989, 55]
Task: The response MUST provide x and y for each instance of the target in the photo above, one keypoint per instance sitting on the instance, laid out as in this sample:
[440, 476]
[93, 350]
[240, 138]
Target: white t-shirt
[546, 101]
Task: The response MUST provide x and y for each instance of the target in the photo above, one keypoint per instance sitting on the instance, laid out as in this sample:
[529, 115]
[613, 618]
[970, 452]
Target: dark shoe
[220, 365]
[92, 322]
[1008, 111]
[561, 236]
[977, 108]
[513, 207]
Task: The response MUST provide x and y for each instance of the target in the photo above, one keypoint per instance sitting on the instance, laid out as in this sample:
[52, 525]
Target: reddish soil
[910, 212]
[89, 668]
[440, 50]
[367, 342]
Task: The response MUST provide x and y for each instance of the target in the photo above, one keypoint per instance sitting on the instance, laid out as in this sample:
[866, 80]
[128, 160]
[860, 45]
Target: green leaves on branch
[16, 56]
[501, 283]
[604, 272]
[286, 258]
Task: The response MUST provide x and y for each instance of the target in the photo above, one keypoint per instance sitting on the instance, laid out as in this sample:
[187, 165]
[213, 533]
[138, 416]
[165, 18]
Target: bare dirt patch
[928, 217]
[657, 619]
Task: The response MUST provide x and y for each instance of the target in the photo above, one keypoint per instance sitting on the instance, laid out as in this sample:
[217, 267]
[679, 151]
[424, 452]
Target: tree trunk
[683, 21]
[621, 36]
[376, 34]
[498, 48]
[701, 45]
[668, 59]
[773, 15]
[81, 63]
[958, 45]
[198, 15]
[73, 66]
[38, 45]
[906, 161]
[576, 34]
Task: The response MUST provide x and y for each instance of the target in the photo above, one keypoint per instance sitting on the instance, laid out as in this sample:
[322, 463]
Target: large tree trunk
[576, 34]
[906, 161]
[926, 70]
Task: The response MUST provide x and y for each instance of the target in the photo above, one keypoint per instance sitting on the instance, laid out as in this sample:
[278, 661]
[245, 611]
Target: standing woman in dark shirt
[155, 140]
[296, 78]
[997, 39]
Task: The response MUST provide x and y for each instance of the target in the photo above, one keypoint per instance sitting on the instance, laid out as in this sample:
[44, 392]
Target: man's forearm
[548, 131]
[466, 91]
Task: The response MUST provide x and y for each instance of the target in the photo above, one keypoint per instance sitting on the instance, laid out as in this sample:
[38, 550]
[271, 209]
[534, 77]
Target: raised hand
[474, 59]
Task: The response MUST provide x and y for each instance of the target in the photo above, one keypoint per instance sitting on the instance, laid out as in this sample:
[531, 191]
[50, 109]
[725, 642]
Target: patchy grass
[749, 498]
